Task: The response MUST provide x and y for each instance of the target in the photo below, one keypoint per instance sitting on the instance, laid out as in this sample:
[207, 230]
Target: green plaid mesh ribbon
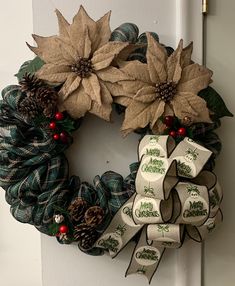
[34, 171]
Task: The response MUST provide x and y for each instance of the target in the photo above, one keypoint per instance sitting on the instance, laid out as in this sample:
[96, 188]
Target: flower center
[166, 90]
[83, 67]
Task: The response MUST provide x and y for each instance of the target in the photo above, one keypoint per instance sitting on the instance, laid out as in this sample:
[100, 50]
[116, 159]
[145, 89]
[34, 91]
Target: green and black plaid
[34, 171]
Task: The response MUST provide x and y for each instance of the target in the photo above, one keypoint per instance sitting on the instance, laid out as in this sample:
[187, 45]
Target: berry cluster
[175, 128]
[55, 126]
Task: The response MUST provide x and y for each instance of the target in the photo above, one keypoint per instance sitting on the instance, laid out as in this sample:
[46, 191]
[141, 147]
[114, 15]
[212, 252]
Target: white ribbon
[173, 197]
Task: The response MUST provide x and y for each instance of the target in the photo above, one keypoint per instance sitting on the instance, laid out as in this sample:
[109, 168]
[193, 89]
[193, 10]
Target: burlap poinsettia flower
[163, 86]
[80, 59]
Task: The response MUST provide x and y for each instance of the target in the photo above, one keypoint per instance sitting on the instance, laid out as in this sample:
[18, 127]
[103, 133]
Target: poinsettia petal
[104, 110]
[136, 70]
[106, 97]
[132, 86]
[137, 115]
[77, 104]
[174, 64]
[111, 74]
[54, 68]
[189, 104]
[103, 57]
[63, 24]
[116, 89]
[156, 60]
[194, 78]
[103, 36]
[54, 73]
[123, 100]
[157, 109]
[186, 55]
[82, 22]
[72, 83]
[48, 49]
[84, 44]
[92, 88]
[146, 94]
[130, 49]
[168, 110]
[69, 53]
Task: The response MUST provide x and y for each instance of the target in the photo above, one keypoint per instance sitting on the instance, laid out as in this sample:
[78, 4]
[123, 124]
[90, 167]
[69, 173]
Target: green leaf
[53, 229]
[29, 67]
[68, 124]
[215, 102]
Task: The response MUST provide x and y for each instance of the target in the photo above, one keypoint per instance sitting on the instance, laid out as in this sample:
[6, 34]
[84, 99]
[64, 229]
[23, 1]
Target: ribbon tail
[120, 230]
[146, 257]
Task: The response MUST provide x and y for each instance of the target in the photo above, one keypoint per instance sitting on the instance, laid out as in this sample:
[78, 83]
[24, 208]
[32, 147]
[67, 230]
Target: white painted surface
[189, 25]
[20, 248]
[219, 248]
[65, 265]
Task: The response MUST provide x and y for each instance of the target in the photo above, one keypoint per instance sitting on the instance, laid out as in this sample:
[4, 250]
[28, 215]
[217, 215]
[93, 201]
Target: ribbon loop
[167, 235]
[149, 210]
[156, 177]
[191, 158]
[215, 198]
[156, 145]
[200, 233]
[194, 203]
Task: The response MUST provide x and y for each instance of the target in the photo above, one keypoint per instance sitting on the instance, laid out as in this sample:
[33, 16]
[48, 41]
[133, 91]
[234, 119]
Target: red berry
[64, 229]
[172, 133]
[56, 136]
[64, 137]
[52, 125]
[59, 116]
[168, 120]
[182, 131]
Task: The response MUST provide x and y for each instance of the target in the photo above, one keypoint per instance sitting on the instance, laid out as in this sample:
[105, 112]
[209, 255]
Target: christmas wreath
[170, 195]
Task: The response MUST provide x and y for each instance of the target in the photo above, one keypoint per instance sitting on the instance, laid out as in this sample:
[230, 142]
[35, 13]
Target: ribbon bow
[174, 196]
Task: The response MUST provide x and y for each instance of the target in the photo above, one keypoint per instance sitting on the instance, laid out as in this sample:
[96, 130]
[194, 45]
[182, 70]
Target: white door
[65, 265]
[219, 256]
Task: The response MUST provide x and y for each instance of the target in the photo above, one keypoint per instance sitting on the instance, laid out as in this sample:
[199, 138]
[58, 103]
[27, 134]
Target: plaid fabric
[110, 191]
[200, 129]
[204, 135]
[33, 168]
[34, 171]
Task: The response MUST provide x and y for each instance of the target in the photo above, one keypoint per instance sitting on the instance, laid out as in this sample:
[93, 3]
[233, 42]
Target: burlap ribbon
[174, 195]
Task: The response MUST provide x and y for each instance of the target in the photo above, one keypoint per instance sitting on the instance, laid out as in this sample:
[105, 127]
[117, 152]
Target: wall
[20, 255]
[219, 248]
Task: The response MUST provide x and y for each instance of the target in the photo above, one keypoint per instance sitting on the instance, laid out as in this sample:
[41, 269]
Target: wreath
[171, 193]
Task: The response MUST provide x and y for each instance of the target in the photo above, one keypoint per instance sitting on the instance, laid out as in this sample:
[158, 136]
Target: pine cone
[30, 84]
[88, 241]
[82, 231]
[77, 209]
[94, 216]
[47, 99]
[29, 108]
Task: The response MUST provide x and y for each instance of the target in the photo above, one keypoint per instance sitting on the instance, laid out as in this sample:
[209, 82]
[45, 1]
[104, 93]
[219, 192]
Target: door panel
[65, 265]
